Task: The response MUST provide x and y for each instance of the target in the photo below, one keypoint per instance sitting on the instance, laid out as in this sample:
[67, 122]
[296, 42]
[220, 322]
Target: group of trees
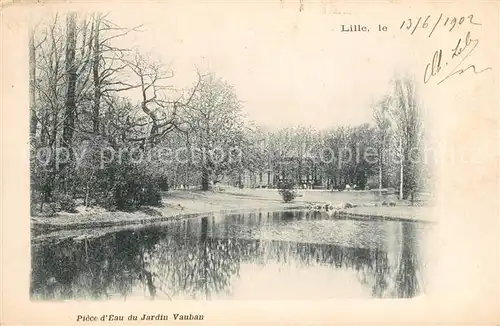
[77, 109]
[96, 108]
[386, 154]
[401, 139]
[91, 100]
[331, 158]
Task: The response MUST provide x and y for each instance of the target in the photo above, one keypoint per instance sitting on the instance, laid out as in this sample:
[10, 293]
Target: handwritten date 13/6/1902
[459, 54]
[431, 23]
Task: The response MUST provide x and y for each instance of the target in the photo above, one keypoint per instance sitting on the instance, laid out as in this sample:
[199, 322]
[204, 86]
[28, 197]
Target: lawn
[179, 204]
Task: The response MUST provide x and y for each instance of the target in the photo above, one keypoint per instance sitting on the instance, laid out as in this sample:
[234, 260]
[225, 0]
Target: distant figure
[355, 187]
[347, 187]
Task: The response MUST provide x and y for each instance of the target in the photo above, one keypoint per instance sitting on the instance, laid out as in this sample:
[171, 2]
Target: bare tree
[215, 123]
[406, 119]
[159, 114]
[71, 59]
[108, 61]
[381, 116]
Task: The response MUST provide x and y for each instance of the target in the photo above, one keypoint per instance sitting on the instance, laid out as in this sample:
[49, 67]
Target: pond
[295, 255]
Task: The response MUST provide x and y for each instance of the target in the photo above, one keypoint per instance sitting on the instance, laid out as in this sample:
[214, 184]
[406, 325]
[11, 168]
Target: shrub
[149, 194]
[119, 184]
[45, 210]
[108, 202]
[287, 194]
[372, 184]
[286, 191]
[51, 210]
[134, 193]
[164, 186]
[67, 203]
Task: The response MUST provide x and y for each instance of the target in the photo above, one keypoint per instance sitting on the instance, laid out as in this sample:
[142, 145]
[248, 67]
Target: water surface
[261, 255]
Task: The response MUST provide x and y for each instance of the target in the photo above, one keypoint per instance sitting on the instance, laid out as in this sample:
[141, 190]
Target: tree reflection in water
[200, 259]
[408, 268]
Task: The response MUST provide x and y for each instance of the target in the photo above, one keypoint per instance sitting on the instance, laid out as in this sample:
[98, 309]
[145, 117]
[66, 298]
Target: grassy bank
[185, 204]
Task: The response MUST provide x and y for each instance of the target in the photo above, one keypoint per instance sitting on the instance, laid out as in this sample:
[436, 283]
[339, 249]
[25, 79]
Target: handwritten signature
[462, 50]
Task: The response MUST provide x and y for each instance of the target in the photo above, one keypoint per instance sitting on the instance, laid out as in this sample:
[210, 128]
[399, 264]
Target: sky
[288, 67]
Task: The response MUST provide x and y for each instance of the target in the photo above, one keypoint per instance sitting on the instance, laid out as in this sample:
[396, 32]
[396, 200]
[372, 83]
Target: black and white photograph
[220, 162]
[221, 174]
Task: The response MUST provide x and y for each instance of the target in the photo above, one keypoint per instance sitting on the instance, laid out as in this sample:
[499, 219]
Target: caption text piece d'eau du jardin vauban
[143, 317]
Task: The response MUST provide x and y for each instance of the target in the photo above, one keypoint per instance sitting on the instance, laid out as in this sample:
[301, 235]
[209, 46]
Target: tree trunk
[380, 171]
[381, 163]
[299, 172]
[32, 85]
[204, 179]
[70, 105]
[401, 184]
[97, 84]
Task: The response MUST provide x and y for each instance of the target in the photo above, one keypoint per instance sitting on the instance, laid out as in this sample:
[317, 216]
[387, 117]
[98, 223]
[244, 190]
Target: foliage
[134, 189]
[67, 203]
[286, 190]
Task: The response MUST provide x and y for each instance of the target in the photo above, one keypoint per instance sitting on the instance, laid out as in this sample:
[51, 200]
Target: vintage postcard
[250, 162]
